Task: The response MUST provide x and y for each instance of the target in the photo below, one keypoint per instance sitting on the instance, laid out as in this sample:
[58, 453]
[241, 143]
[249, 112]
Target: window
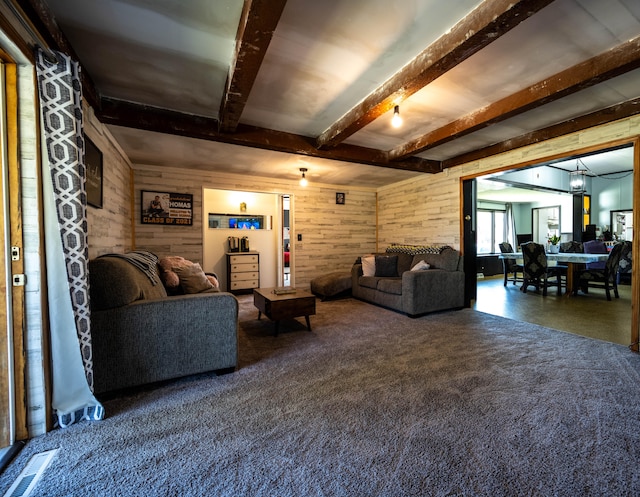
[491, 230]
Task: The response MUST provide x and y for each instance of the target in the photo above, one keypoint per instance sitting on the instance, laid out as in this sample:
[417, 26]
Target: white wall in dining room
[610, 195]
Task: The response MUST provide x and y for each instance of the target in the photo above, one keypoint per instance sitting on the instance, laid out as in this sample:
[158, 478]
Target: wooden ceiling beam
[612, 63]
[490, 20]
[257, 25]
[613, 113]
[131, 115]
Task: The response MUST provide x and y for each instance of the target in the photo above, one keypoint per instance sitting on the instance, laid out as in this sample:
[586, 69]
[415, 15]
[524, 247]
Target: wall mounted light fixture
[396, 120]
[303, 180]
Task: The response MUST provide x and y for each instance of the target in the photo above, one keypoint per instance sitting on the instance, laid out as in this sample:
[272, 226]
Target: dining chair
[537, 271]
[607, 277]
[510, 265]
[624, 268]
[595, 247]
[571, 247]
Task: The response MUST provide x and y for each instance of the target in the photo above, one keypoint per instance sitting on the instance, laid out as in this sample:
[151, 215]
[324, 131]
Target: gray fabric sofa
[140, 335]
[438, 288]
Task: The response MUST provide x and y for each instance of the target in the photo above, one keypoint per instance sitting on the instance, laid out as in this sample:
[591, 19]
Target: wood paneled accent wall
[332, 235]
[110, 228]
[420, 211]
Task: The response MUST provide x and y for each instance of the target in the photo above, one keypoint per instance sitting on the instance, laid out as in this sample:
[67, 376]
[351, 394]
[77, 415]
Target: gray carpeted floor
[371, 403]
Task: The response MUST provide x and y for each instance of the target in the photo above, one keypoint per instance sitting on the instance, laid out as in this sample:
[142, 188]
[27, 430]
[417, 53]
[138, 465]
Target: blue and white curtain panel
[65, 206]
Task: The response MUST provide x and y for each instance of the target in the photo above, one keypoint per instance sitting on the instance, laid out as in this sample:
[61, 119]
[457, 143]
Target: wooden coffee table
[285, 306]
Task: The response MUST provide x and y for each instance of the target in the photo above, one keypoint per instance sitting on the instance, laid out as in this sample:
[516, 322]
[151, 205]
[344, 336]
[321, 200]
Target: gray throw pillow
[386, 265]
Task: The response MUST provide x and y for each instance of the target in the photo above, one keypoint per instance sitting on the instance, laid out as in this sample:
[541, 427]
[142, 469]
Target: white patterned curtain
[511, 226]
[65, 219]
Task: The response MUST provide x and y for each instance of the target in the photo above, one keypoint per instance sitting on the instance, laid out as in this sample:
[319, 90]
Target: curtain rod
[49, 54]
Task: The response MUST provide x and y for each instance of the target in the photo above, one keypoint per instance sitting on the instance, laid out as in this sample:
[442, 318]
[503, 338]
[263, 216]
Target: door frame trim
[635, 274]
[16, 240]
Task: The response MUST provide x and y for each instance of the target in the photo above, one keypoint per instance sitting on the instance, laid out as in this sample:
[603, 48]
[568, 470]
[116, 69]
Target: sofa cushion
[193, 279]
[386, 266]
[369, 282]
[448, 259]
[406, 254]
[404, 262]
[390, 285]
[114, 282]
[369, 265]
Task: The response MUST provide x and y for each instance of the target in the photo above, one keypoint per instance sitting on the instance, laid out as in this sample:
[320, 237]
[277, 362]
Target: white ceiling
[327, 58]
[612, 164]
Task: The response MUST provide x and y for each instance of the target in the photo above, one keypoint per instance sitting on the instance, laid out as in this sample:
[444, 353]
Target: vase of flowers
[554, 240]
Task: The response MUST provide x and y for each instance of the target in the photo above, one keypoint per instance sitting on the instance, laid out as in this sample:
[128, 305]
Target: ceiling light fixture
[396, 120]
[303, 180]
[577, 180]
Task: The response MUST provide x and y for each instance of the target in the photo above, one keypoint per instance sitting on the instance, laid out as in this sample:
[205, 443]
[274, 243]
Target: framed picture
[93, 163]
[340, 198]
[173, 209]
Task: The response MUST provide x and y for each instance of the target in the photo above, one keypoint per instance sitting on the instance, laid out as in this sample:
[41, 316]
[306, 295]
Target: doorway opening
[530, 191]
[545, 223]
[286, 241]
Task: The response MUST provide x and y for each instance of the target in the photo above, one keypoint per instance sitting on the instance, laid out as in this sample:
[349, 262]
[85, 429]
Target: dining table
[573, 260]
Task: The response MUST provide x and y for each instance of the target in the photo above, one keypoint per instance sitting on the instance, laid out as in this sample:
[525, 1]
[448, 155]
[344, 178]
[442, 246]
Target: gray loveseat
[140, 335]
[395, 286]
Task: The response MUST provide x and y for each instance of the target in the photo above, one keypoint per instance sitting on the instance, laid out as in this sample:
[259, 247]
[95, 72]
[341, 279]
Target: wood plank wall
[333, 235]
[421, 211]
[110, 228]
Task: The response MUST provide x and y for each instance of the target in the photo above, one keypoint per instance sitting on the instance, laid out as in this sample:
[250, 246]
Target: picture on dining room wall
[173, 209]
[93, 164]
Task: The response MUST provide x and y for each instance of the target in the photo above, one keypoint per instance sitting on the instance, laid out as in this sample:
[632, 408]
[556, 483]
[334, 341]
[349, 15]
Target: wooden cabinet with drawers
[243, 271]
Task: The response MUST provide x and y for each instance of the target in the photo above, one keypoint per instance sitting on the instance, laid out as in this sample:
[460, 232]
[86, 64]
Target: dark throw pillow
[386, 265]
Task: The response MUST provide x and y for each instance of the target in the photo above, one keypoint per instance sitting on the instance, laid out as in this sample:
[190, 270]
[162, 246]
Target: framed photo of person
[93, 163]
[173, 209]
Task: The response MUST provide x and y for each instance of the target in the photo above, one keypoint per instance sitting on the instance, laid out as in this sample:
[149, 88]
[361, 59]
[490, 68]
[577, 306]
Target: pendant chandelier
[577, 180]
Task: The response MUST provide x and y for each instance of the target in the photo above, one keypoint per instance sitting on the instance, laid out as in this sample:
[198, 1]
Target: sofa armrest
[432, 289]
[356, 270]
[157, 339]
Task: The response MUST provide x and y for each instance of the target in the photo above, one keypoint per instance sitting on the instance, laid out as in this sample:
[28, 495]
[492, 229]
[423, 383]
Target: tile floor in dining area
[589, 315]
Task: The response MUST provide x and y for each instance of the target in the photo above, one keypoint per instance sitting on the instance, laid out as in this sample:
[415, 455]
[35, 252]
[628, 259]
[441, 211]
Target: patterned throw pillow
[416, 249]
